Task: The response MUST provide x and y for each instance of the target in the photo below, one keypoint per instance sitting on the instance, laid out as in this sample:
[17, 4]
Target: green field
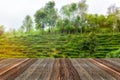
[58, 46]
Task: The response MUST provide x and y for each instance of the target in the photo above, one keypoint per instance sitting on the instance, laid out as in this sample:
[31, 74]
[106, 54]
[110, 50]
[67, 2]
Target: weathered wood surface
[59, 69]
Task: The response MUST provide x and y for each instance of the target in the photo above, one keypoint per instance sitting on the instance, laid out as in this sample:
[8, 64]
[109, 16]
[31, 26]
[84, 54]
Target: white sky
[13, 12]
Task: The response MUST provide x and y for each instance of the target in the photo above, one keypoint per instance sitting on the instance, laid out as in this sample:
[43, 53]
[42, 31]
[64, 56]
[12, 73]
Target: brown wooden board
[59, 69]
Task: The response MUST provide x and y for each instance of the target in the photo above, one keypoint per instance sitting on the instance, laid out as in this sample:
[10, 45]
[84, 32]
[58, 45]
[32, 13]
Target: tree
[92, 22]
[76, 23]
[68, 11]
[27, 24]
[114, 17]
[1, 29]
[101, 21]
[67, 25]
[81, 11]
[51, 14]
[65, 11]
[82, 7]
[46, 16]
[40, 19]
[21, 30]
[111, 9]
[69, 17]
[59, 25]
[110, 21]
[75, 13]
[73, 9]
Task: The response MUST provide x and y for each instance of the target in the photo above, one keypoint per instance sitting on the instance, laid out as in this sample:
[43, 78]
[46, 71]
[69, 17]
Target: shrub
[89, 44]
[114, 54]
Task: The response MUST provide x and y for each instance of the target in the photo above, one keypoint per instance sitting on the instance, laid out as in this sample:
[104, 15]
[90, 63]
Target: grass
[57, 46]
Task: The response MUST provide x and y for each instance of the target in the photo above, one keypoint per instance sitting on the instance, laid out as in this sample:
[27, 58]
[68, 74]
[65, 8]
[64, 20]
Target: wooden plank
[9, 65]
[47, 70]
[84, 75]
[72, 72]
[29, 71]
[115, 59]
[111, 63]
[106, 68]
[103, 74]
[6, 62]
[64, 70]
[57, 69]
[38, 71]
[89, 69]
[95, 72]
[17, 69]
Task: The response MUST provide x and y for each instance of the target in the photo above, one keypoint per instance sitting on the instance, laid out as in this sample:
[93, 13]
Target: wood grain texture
[59, 69]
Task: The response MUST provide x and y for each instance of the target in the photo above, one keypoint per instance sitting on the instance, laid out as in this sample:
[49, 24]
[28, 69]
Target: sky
[13, 12]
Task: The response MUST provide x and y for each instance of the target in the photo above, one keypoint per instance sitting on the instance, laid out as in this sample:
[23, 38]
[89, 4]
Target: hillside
[58, 46]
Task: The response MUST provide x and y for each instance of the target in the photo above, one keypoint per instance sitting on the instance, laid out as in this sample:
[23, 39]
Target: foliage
[114, 54]
[27, 24]
[51, 14]
[82, 6]
[40, 19]
[1, 29]
[60, 45]
[89, 45]
[73, 18]
[46, 16]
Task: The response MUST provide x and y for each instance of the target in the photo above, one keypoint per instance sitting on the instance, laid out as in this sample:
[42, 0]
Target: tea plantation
[58, 46]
